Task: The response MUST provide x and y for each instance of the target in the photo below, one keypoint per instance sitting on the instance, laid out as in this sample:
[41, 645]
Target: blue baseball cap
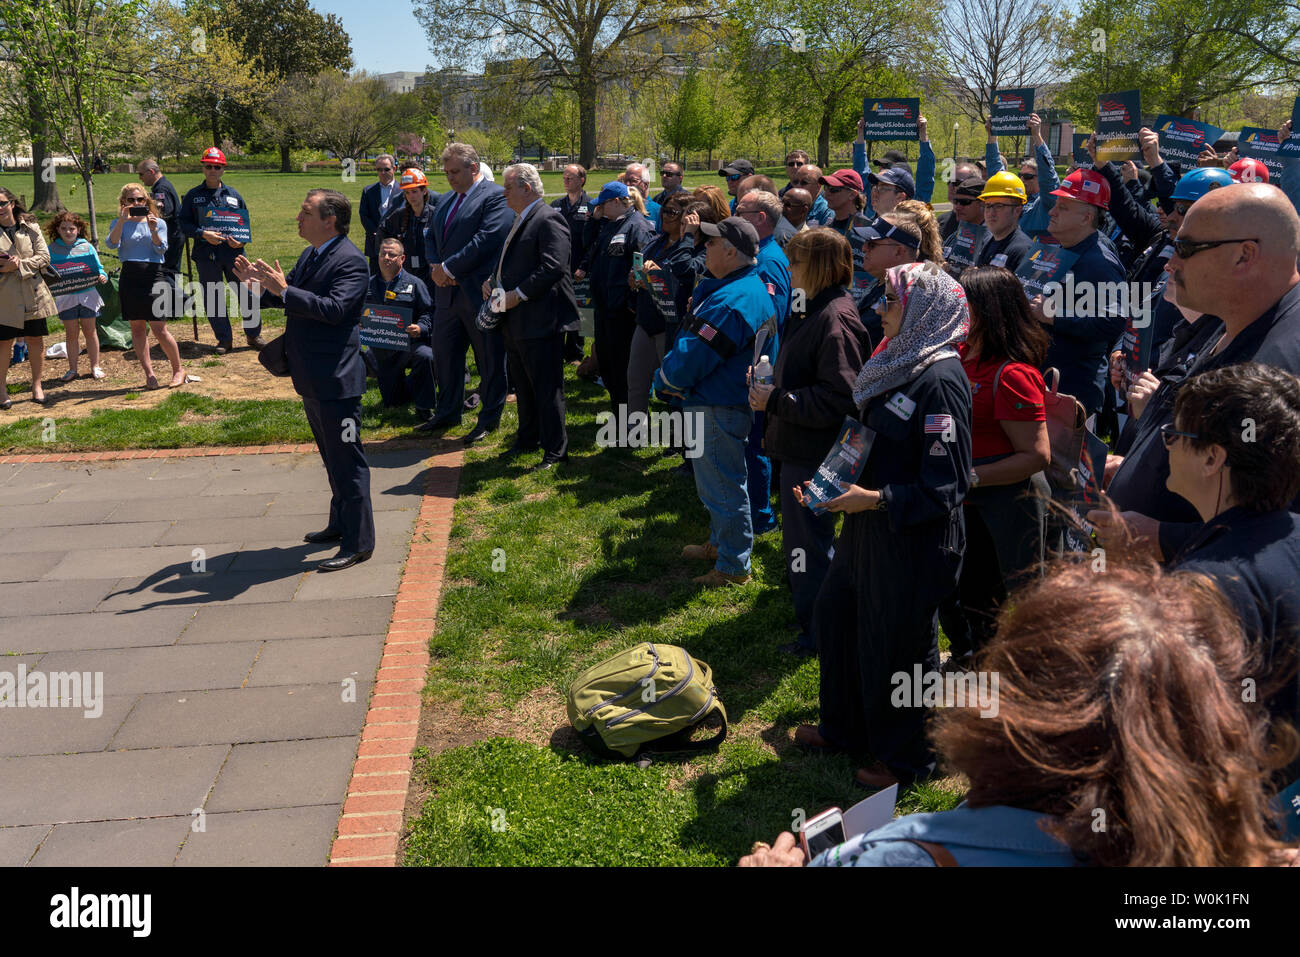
[612, 190]
[895, 176]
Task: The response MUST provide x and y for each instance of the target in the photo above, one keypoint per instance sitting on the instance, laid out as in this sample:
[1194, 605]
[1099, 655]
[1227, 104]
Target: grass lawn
[591, 566]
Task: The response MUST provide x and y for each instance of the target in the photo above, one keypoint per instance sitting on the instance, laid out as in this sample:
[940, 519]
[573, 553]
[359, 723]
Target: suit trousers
[395, 387]
[614, 331]
[336, 425]
[536, 368]
[215, 275]
[454, 329]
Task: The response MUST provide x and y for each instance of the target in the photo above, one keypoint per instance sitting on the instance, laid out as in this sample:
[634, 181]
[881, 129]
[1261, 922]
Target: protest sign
[1043, 264]
[663, 290]
[1291, 148]
[842, 466]
[1263, 145]
[1010, 111]
[891, 118]
[1085, 496]
[1184, 140]
[1119, 117]
[1079, 149]
[960, 251]
[232, 223]
[1136, 345]
[384, 326]
[75, 274]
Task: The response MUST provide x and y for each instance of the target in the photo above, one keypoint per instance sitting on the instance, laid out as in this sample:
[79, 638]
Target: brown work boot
[256, 342]
[704, 552]
[224, 347]
[716, 579]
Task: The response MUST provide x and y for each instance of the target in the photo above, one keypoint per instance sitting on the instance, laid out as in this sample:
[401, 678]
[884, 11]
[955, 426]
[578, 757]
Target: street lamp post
[955, 124]
[520, 158]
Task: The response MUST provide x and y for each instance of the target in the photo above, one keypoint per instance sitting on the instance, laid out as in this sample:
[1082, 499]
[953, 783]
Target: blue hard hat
[1192, 186]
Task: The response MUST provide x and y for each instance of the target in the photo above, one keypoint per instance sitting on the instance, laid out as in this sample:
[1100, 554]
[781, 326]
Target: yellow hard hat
[1006, 185]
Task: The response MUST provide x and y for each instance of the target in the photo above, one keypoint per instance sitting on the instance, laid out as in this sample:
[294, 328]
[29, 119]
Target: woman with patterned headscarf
[900, 548]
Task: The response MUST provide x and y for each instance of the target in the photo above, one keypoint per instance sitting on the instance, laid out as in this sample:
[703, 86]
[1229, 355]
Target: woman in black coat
[900, 550]
[824, 346]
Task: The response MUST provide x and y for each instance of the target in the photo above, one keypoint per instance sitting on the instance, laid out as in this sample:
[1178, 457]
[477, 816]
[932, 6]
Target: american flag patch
[938, 423]
[771, 289]
[706, 332]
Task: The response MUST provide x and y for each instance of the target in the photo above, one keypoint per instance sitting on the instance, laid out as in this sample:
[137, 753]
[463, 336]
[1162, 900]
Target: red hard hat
[214, 155]
[1248, 171]
[1087, 186]
[413, 179]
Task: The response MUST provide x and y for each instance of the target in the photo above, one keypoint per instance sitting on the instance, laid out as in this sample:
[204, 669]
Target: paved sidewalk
[235, 677]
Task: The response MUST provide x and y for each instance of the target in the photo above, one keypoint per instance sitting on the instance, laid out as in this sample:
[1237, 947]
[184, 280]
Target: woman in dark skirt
[25, 300]
[141, 239]
[899, 553]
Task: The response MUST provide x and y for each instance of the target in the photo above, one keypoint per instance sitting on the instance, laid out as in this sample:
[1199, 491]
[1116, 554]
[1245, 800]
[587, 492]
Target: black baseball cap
[890, 158]
[880, 229]
[742, 166]
[972, 186]
[739, 232]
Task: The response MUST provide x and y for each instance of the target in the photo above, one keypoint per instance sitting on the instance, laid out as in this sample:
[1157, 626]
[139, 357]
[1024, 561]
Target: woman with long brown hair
[25, 300]
[1119, 738]
[1005, 505]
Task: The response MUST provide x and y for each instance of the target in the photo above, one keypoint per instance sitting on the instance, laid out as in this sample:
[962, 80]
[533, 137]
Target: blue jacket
[997, 836]
[1081, 344]
[195, 204]
[708, 363]
[654, 212]
[820, 214]
[409, 292]
[1033, 218]
[774, 268]
[924, 178]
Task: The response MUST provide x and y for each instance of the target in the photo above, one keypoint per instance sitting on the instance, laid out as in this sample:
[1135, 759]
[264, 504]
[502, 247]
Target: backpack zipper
[631, 691]
[690, 673]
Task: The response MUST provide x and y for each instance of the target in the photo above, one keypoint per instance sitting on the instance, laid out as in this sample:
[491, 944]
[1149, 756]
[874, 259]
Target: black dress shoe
[343, 560]
[323, 536]
[478, 435]
[434, 425]
[548, 463]
[515, 451]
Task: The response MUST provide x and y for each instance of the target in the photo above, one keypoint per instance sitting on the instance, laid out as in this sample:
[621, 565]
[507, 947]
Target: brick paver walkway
[236, 679]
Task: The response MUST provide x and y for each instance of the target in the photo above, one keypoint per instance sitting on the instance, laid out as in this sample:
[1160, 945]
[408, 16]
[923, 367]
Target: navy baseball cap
[895, 176]
[880, 229]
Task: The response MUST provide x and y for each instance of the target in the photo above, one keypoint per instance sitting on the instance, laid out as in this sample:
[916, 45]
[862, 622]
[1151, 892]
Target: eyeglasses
[878, 186]
[1187, 248]
[962, 201]
[1168, 433]
[671, 213]
[1181, 208]
[839, 189]
[669, 172]
[794, 163]
[891, 299]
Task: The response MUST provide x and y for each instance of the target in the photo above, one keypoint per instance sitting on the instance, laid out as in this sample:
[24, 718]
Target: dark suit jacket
[322, 309]
[370, 217]
[537, 264]
[473, 241]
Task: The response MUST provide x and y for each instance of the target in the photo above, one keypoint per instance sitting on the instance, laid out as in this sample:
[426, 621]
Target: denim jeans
[720, 478]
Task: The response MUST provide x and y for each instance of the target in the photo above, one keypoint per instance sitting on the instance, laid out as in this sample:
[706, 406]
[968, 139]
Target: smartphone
[638, 262]
[138, 210]
[824, 831]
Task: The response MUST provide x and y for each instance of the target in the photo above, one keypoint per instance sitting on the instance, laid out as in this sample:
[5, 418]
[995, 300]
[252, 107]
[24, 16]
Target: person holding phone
[901, 545]
[25, 300]
[79, 311]
[140, 238]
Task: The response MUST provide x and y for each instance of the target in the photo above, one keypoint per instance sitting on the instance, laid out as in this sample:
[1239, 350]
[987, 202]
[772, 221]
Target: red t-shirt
[1019, 399]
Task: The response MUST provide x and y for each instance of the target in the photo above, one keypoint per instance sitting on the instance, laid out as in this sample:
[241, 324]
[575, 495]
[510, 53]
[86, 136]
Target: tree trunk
[90, 204]
[587, 121]
[284, 157]
[824, 140]
[216, 128]
[45, 188]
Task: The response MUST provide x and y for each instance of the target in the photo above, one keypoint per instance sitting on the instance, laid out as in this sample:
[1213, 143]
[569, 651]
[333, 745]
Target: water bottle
[20, 353]
[763, 371]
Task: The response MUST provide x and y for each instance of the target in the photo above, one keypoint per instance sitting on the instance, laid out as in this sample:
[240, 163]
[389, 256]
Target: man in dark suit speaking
[322, 298]
[531, 286]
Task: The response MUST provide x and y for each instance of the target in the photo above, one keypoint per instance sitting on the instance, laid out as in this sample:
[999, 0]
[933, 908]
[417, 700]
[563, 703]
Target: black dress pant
[454, 328]
[806, 538]
[336, 425]
[536, 370]
[396, 388]
[614, 331]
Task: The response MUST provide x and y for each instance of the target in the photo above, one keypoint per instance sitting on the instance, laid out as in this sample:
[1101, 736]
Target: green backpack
[645, 694]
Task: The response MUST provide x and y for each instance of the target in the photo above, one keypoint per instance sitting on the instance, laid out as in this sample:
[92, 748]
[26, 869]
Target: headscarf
[935, 320]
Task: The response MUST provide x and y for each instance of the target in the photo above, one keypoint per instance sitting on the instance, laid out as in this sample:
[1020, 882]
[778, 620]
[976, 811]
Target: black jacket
[401, 224]
[537, 264]
[169, 211]
[576, 216]
[677, 261]
[609, 259]
[409, 293]
[821, 354]
[371, 219]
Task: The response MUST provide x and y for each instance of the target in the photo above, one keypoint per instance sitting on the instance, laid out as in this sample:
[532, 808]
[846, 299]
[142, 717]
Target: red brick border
[372, 812]
[22, 458]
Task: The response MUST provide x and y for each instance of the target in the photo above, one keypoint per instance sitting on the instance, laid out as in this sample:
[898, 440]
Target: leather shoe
[478, 435]
[343, 560]
[224, 347]
[547, 464]
[515, 451]
[433, 425]
[808, 737]
[875, 777]
[256, 342]
[322, 537]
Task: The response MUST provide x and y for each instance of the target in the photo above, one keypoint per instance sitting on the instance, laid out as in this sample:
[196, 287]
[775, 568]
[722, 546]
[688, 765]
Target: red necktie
[452, 215]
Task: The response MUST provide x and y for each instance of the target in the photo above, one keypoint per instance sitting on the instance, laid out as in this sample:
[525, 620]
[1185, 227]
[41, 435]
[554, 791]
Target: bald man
[1234, 260]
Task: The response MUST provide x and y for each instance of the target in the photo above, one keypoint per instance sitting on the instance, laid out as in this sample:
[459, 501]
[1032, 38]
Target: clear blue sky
[385, 37]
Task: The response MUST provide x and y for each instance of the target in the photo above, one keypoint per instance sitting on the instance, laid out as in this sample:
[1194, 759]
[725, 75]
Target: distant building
[403, 81]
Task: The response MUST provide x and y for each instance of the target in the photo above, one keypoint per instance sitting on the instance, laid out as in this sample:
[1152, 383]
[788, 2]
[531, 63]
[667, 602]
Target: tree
[77, 63]
[813, 56]
[993, 44]
[348, 115]
[681, 118]
[579, 46]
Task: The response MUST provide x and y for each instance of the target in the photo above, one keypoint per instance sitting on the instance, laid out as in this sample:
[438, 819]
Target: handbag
[273, 357]
[1065, 432]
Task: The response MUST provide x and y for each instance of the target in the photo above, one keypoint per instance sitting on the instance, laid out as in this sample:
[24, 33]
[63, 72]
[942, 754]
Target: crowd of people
[772, 316]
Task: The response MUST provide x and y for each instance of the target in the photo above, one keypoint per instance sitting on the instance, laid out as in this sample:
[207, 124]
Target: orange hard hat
[413, 179]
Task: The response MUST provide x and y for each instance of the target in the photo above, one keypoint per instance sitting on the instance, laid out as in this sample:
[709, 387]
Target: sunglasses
[840, 189]
[732, 179]
[964, 202]
[668, 173]
[804, 183]
[4, 203]
[1025, 176]
[1187, 248]
[1181, 208]
[671, 213]
[1168, 434]
[794, 163]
